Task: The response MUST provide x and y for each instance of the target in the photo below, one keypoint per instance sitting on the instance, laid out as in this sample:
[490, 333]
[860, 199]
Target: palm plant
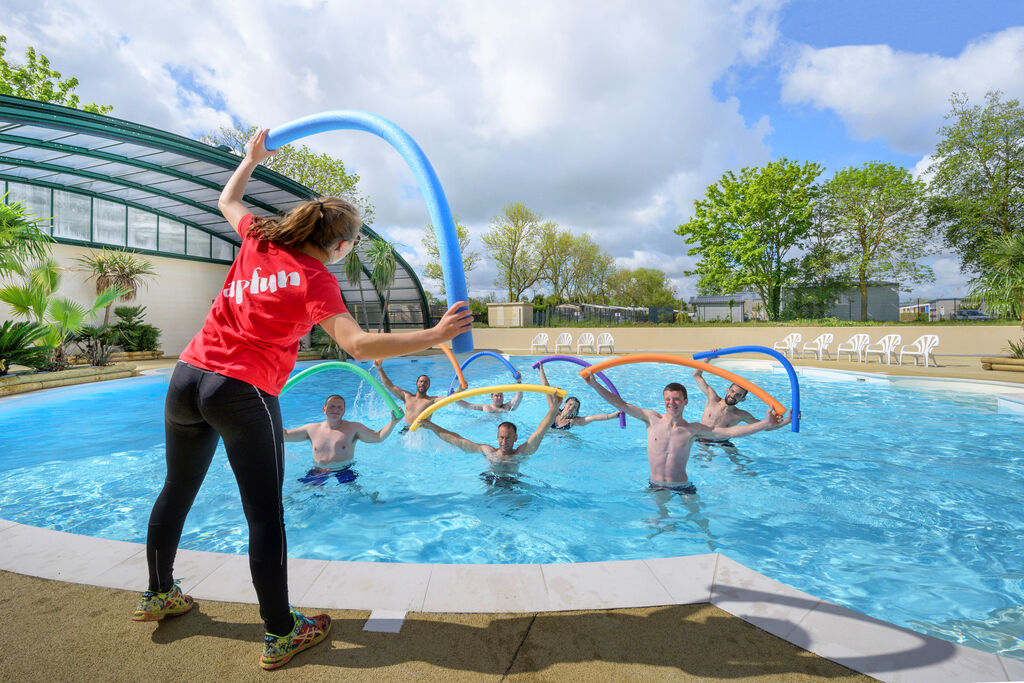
[36, 300]
[1000, 286]
[18, 344]
[21, 239]
[116, 268]
[97, 341]
[354, 275]
[383, 262]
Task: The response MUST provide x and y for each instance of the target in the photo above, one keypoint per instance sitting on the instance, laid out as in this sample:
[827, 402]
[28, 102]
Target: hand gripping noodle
[600, 376]
[342, 365]
[676, 360]
[458, 370]
[469, 393]
[478, 354]
[426, 178]
[794, 385]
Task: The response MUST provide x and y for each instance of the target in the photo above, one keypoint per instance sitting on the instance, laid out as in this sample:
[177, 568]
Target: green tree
[821, 275]
[21, 239]
[433, 269]
[977, 186]
[747, 225]
[1000, 286]
[35, 80]
[354, 276]
[641, 287]
[877, 212]
[116, 268]
[381, 259]
[514, 243]
[321, 173]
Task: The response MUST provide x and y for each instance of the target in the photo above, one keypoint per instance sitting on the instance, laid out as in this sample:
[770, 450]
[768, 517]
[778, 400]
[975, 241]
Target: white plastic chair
[886, 346]
[788, 345]
[819, 346]
[541, 342]
[921, 348]
[605, 340]
[564, 341]
[854, 344]
[586, 340]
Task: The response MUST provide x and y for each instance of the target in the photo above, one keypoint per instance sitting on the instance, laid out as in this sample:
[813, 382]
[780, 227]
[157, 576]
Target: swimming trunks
[318, 476]
[725, 443]
[499, 480]
[404, 430]
[686, 487]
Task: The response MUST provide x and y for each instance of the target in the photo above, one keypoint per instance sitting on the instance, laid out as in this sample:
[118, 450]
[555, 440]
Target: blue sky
[604, 117]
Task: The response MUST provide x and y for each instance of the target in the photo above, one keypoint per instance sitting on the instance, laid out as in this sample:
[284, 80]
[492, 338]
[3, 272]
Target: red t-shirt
[272, 297]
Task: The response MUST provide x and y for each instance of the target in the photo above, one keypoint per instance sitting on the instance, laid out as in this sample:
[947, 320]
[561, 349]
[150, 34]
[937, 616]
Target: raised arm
[770, 422]
[230, 201]
[698, 375]
[628, 408]
[299, 433]
[517, 400]
[401, 394]
[454, 439]
[470, 406]
[533, 443]
[363, 345]
[364, 433]
[580, 421]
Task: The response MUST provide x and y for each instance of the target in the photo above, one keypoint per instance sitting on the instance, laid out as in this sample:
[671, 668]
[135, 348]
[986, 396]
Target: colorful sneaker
[279, 650]
[157, 606]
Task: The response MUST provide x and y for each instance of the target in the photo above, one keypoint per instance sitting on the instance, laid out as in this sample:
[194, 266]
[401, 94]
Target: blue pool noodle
[478, 354]
[430, 186]
[794, 385]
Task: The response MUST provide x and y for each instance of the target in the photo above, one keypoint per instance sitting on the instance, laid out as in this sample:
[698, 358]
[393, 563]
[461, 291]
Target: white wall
[177, 298]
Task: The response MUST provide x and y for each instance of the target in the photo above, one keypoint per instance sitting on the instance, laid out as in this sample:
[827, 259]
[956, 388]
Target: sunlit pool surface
[901, 503]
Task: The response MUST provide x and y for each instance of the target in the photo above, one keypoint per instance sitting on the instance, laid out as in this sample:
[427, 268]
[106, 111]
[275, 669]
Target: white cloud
[901, 97]
[598, 115]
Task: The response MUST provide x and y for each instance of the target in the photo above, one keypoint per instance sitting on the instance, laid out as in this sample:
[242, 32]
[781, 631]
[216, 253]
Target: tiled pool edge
[864, 644]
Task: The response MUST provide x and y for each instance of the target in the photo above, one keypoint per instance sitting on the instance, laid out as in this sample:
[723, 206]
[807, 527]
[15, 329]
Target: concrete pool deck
[699, 617]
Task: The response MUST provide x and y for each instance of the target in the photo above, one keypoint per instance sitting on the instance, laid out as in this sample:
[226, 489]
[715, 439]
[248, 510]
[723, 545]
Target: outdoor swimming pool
[902, 503]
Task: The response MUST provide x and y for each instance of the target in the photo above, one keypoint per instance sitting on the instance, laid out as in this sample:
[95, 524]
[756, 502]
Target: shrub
[18, 345]
[131, 334]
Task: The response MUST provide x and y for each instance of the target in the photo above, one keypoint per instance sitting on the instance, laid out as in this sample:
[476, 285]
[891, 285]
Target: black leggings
[202, 407]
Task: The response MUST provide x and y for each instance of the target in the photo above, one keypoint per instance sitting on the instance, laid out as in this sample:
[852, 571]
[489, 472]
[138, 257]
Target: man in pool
[504, 460]
[497, 404]
[334, 442]
[670, 437]
[414, 403]
[722, 412]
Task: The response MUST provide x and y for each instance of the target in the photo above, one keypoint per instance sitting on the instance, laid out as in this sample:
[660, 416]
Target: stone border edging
[34, 381]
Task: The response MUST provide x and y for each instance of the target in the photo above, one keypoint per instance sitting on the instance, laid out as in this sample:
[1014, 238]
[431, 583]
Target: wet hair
[418, 379]
[328, 399]
[320, 222]
[509, 424]
[675, 386]
[743, 389]
[569, 414]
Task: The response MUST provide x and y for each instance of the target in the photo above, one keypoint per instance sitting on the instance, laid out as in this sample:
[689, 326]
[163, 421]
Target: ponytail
[320, 222]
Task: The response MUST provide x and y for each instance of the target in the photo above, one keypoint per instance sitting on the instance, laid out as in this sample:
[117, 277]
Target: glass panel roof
[120, 160]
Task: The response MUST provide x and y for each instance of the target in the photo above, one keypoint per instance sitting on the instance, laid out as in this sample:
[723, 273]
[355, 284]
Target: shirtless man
[497, 404]
[334, 442]
[722, 412]
[504, 460]
[670, 437]
[414, 403]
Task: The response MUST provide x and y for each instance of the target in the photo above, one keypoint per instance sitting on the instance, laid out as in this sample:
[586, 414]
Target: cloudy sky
[605, 117]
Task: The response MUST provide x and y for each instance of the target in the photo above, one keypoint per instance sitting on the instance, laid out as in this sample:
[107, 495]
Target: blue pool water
[903, 503]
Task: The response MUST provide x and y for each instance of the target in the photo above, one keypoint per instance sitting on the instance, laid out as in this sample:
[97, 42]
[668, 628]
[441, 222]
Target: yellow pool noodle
[468, 393]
